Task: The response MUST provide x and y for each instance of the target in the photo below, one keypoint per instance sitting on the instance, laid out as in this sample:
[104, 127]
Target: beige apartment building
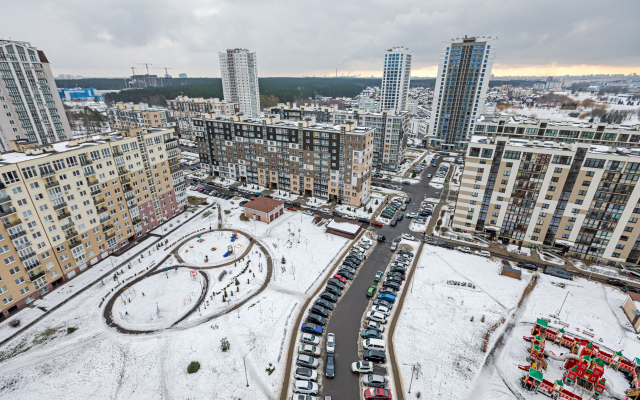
[390, 137]
[330, 162]
[186, 109]
[130, 116]
[65, 206]
[580, 197]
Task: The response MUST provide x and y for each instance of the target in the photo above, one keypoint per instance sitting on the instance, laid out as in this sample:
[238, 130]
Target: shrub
[193, 367]
[283, 260]
[243, 218]
[224, 344]
[14, 323]
[227, 212]
[370, 210]
[71, 329]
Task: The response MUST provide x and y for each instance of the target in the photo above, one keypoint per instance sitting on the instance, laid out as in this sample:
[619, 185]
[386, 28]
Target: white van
[374, 344]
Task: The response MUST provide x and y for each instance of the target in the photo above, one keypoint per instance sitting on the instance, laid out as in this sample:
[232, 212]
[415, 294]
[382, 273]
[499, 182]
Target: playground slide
[614, 394]
[227, 253]
[233, 238]
[524, 367]
[561, 357]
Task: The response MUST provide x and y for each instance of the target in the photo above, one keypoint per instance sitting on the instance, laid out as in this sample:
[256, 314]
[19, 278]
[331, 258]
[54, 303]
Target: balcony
[107, 237]
[92, 180]
[46, 173]
[104, 219]
[127, 188]
[10, 224]
[63, 215]
[22, 245]
[100, 210]
[98, 200]
[122, 170]
[96, 192]
[106, 227]
[5, 198]
[124, 180]
[33, 276]
[136, 220]
[74, 243]
[70, 234]
[28, 256]
[59, 206]
[6, 211]
[67, 226]
[18, 234]
[51, 183]
[84, 161]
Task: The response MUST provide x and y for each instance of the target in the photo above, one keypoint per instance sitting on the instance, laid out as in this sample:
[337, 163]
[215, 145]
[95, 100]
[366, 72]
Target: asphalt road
[345, 319]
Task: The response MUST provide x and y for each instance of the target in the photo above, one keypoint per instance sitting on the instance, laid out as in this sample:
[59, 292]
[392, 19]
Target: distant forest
[272, 90]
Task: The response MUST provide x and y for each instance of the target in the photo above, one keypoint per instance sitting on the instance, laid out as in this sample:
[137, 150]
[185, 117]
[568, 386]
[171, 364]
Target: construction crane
[166, 72]
[146, 65]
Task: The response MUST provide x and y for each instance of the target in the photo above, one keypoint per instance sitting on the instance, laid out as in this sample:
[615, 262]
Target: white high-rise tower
[461, 88]
[396, 77]
[239, 68]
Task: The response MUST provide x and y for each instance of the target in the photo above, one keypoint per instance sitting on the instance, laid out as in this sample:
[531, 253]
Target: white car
[348, 216]
[377, 317]
[366, 240]
[381, 309]
[411, 215]
[362, 367]
[464, 249]
[374, 325]
[331, 343]
[306, 374]
[303, 397]
[307, 212]
[364, 245]
[305, 387]
[310, 339]
[482, 253]
[408, 237]
[325, 210]
[309, 350]
[429, 175]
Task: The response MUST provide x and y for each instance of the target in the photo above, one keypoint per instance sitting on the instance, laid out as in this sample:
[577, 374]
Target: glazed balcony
[12, 223]
[63, 215]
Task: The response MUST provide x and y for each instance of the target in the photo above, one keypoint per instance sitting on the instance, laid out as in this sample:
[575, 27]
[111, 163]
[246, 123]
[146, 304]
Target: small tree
[283, 260]
[370, 210]
[376, 202]
[224, 344]
[193, 367]
[237, 282]
[413, 174]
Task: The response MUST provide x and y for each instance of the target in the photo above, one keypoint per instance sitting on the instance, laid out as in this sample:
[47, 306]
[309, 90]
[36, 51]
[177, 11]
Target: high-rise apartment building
[239, 69]
[185, 109]
[30, 106]
[461, 88]
[330, 162]
[65, 206]
[396, 78]
[129, 116]
[390, 137]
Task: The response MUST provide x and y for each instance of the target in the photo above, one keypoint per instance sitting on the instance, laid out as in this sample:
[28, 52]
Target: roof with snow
[344, 225]
[263, 204]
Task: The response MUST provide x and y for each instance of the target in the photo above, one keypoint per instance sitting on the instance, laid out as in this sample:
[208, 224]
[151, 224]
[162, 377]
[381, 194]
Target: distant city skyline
[106, 39]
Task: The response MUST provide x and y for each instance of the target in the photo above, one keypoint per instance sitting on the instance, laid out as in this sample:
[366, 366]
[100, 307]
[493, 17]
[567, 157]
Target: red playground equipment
[584, 366]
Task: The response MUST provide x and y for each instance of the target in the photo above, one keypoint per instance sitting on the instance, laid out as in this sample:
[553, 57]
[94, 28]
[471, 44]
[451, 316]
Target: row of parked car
[372, 334]
[442, 171]
[425, 210]
[420, 167]
[386, 186]
[213, 193]
[391, 210]
[309, 350]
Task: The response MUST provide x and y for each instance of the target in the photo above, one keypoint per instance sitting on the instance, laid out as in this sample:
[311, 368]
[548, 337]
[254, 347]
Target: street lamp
[245, 365]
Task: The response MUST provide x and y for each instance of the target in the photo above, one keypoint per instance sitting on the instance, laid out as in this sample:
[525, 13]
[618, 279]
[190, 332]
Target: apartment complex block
[396, 77]
[291, 112]
[239, 70]
[31, 107]
[580, 197]
[126, 116]
[331, 162]
[569, 132]
[186, 109]
[461, 88]
[390, 138]
[67, 205]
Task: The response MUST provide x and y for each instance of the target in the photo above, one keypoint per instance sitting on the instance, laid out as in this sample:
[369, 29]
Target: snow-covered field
[197, 250]
[435, 330]
[95, 361]
[590, 309]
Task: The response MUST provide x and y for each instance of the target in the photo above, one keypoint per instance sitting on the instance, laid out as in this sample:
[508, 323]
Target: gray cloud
[293, 38]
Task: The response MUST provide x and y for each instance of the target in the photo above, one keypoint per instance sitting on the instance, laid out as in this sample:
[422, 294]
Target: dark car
[372, 380]
[632, 289]
[398, 268]
[405, 252]
[325, 304]
[330, 366]
[329, 297]
[528, 266]
[407, 200]
[316, 309]
[336, 283]
[309, 327]
[336, 214]
[380, 302]
[348, 269]
[393, 222]
[391, 284]
[370, 334]
[615, 282]
[364, 220]
[395, 278]
[332, 289]
[348, 275]
[350, 264]
[374, 356]
[316, 319]
[382, 238]
[400, 216]
[354, 258]
[389, 290]
[400, 275]
[448, 246]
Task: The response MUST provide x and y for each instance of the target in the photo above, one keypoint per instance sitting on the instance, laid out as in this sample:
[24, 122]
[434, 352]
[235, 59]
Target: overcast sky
[299, 38]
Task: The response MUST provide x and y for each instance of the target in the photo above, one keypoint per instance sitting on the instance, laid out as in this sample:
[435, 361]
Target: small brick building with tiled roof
[263, 209]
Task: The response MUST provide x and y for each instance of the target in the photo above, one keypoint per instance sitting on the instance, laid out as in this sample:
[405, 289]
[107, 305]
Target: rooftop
[293, 124]
[344, 225]
[510, 119]
[263, 204]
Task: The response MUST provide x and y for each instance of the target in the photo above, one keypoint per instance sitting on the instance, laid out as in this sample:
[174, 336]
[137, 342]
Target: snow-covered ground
[95, 361]
[360, 212]
[523, 251]
[435, 329]
[197, 250]
[590, 309]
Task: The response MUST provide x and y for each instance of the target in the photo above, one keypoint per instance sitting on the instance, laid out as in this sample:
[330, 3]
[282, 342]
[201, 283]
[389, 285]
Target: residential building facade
[124, 116]
[66, 206]
[396, 77]
[31, 108]
[239, 70]
[185, 109]
[580, 197]
[390, 137]
[291, 112]
[461, 88]
[296, 156]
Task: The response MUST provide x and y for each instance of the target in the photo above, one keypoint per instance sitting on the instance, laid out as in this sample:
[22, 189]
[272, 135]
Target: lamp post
[565, 299]
[245, 365]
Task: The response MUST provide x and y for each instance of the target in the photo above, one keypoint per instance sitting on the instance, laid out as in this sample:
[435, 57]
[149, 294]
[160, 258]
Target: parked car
[384, 296]
[305, 374]
[411, 215]
[393, 222]
[372, 380]
[316, 309]
[308, 338]
[376, 223]
[340, 278]
[306, 361]
[391, 284]
[330, 366]
[528, 266]
[309, 349]
[364, 220]
[344, 273]
[307, 212]
[371, 291]
[305, 387]
[374, 325]
[330, 297]
[316, 319]
[615, 282]
[325, 210]
[394, 246]
[370, 334]
[333, 290]
[374, 356]
[362, 367]
[381, 309]
[336, 283]
[482, 253]
[409, 237]
[380, 302]
[336, 214]
[377, 317]
[557, 272]
[381, 238]
[309, 327]
[325, 304]
[378, 276]
[377, 394]
[331, 343]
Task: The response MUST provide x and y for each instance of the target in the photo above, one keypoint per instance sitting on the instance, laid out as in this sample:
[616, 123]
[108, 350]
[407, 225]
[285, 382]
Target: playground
[214, 248]
[159, 300]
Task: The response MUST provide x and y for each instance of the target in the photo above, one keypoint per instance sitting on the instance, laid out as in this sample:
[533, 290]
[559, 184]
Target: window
[507, 173]
[536, 230]
[505, 181]
[534, 238]
[548, 197]
[552, 188]
[579, 202]
[19, 281]
[619, 246]
[594, 163]
[624, 238]
[513, 155]
[582, 193]
[575, 210]
[568, 228]
[543, 214]
[616, 255]
[586, 183]
[591, 173]
[555, 179]
[558, 159]
[633, 220]
[14, 270]
[565, 236]
[558, 170]
[545, 205]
